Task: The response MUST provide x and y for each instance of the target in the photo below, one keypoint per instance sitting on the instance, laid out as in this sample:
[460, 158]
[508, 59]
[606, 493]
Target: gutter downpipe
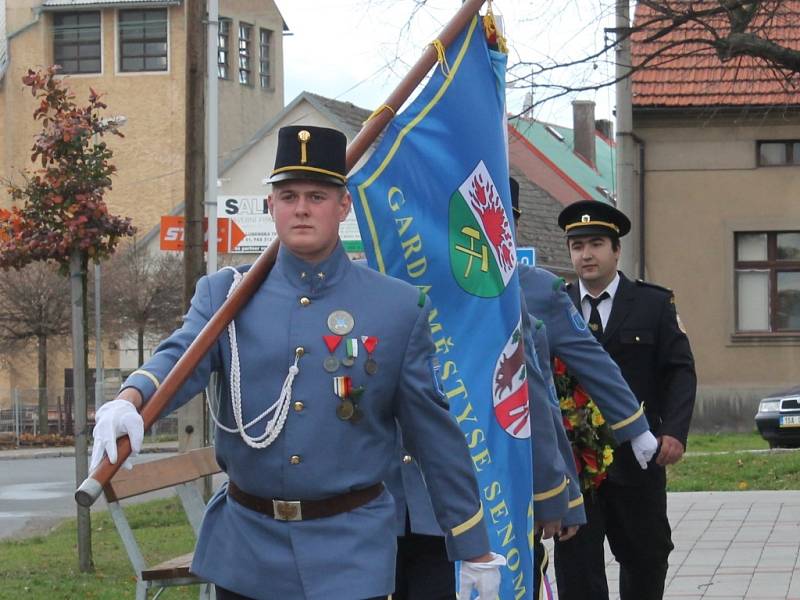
[641, 203]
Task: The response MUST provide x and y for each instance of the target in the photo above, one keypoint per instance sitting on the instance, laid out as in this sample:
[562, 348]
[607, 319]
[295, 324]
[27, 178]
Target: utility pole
[212, 129]
[212, 152]
[630, 256]
[191, 417]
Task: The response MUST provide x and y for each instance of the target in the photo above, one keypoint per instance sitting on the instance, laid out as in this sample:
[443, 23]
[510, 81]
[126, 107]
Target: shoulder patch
[436, 374]
[576, 318]
[643, 283]
[421, 299]
[558, 283]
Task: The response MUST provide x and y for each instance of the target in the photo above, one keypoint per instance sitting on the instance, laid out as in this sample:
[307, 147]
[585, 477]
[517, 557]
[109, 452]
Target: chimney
[583, 129]
[605, 127]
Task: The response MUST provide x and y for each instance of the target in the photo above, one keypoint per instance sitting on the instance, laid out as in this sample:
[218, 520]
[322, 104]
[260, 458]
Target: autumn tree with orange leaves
[59, 215]
[59, 209]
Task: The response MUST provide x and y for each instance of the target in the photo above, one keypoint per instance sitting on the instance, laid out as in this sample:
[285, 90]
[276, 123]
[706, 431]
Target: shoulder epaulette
[421, 299]
[661, 288]
[558, 282]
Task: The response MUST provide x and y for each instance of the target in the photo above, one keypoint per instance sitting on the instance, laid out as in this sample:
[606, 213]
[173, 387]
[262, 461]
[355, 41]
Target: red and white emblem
[510, 388]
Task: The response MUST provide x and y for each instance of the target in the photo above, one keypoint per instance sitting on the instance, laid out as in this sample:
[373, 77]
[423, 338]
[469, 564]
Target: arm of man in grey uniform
[572, 342]
[551, 474]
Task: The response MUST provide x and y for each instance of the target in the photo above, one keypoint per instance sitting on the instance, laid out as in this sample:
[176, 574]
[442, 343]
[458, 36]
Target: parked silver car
[778, 419]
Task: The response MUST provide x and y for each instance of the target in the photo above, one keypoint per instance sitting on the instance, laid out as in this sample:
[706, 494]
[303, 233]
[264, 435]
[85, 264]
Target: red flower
[580, 397]
[559, 368]
[599, 478]
[567, 424]
[589, 457]
[578, 461]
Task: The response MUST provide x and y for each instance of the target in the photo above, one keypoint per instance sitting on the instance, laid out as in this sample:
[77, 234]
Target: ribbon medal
[331, 363]
[351, 346]
[370, 366]
[347, 410]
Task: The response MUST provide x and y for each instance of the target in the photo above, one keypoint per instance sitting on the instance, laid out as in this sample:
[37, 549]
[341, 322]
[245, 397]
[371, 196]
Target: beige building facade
[134, 53]
[722, 228]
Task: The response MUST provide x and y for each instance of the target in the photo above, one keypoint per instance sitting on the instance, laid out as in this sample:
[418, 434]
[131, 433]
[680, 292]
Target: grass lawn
[46, 566]
[732, 467]
[726, 442]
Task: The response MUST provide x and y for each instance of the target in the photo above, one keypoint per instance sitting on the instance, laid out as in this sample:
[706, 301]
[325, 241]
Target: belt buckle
[287, 510]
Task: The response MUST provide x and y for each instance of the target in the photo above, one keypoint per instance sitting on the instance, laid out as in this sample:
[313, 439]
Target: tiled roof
[538, 225]
[691, 74]
[346, 116]
[350, 116]
[559, 152]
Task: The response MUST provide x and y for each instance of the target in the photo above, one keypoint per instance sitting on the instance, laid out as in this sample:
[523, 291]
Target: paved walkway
[730, 545]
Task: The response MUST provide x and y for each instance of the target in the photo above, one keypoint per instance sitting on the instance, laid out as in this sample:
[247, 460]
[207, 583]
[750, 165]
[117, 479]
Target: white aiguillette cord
[279, 409]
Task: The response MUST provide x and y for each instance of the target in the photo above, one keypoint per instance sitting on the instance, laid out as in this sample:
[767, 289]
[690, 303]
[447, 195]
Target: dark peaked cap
[309, 152]
[592, 217]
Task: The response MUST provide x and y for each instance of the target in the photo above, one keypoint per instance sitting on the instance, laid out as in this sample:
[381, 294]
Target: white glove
[112, 420]
[481, 576]
[644, 446]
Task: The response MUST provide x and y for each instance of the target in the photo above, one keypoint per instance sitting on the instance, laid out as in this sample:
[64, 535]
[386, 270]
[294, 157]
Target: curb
[68, 451]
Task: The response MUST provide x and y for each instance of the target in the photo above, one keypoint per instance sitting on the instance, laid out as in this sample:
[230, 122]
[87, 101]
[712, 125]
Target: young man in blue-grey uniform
[314, 380]
[637, 324]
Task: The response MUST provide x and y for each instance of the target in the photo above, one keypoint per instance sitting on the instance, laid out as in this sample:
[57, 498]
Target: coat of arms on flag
[510, 388]
[482, 254]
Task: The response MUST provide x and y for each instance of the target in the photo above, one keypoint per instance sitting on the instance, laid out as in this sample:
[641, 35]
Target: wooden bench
[182, 473]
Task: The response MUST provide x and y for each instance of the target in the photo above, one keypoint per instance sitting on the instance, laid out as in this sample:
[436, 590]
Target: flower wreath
[591, 437]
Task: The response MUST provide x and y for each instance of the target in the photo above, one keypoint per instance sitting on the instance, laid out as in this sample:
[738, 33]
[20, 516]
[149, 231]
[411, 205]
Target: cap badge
[584, 218]
[303, 137]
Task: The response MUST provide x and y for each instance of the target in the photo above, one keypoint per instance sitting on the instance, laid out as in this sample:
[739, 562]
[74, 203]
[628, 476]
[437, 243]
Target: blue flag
[433, 207]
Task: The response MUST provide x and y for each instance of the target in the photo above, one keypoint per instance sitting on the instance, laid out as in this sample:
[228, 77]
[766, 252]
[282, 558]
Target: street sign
[229, 234]
[526, 255]
[251, 215]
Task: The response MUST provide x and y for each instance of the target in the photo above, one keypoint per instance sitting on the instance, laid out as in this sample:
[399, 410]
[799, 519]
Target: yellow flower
[574, 420]
[608, 455]
[597, 418]
[567, 404]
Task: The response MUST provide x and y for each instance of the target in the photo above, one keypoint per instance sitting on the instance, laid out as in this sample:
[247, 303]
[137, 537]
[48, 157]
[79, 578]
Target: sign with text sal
[251, 215]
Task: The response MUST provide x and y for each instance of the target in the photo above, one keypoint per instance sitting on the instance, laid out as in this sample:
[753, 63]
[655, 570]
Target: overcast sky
[358, 50]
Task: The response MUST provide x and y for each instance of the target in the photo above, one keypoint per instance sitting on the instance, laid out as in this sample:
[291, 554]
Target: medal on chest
[331, 363]
[348, 409]
[370, 365]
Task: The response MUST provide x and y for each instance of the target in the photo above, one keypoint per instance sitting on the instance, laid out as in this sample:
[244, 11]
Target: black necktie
[595, 322]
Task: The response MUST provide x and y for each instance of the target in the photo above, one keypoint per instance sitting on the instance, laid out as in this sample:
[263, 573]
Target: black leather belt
[303, 510]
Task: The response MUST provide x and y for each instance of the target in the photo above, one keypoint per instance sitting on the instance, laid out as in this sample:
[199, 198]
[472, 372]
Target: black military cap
[514, 197]
[592, 217]
[309, 152]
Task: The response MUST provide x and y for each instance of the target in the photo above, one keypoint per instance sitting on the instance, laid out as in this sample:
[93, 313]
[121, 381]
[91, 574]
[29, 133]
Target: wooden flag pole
[92, 487]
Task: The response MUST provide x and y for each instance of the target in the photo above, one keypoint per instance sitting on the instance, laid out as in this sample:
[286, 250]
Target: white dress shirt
[603, 307]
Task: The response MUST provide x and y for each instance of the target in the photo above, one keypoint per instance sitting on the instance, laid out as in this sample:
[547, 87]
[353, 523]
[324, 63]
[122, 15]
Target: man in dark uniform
[637, 324]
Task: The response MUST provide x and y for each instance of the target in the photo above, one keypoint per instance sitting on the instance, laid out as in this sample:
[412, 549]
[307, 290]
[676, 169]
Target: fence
[19, 414]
